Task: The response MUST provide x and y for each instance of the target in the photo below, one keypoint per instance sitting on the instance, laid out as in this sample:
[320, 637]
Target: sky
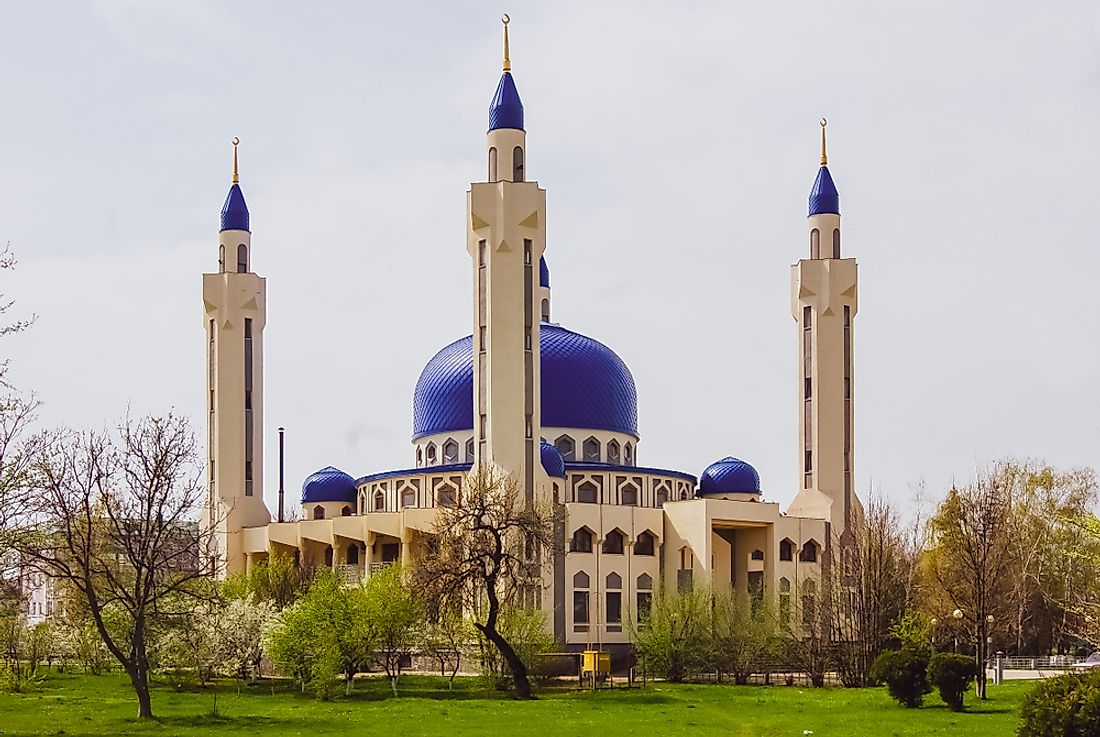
[677, 144]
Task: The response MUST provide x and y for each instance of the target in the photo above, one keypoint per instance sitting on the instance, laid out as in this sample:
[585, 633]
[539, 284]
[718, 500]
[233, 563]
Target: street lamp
[958, 615]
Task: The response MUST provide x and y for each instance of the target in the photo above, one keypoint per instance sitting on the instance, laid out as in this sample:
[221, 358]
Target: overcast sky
[677, 144]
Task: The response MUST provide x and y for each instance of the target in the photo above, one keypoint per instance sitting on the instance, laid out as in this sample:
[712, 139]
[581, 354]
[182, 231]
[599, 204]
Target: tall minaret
[234, 315]
[823, 303]
[506, 237]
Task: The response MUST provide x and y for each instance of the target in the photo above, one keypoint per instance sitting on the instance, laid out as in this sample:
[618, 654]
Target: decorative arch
[614, 581]
[517, 164]
[493, 164]
[345, 511]
[470, 450]
[809, 553]
[567, 447]
[786, 549]
[591, 448]
[646, 544]
[581, 580]
[613, 451]
[588, 492]
[450, 451]
[318, 512]
[582, 541]
[628, 454]
[379, 501]
[815, 243]
[614, 542]
[836, 242]
[757, 555]
[430, 454]
[242, 259]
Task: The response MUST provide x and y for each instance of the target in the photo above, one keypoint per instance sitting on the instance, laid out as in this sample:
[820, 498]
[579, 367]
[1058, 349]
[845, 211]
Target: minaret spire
[507, 62]
[824, 156]
[236, 175]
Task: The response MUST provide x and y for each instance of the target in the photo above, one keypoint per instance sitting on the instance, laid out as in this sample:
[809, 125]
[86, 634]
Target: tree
[394, 614]
[743, 634]
[971, 559]
[675, 639]
[485, 549]
[905, 673]
[325, 633]
[112, 515]
[869, 587]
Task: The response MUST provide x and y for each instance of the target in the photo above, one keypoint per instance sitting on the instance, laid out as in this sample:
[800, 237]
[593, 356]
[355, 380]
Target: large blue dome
[584, 384]
[729, 476]
[328, 485]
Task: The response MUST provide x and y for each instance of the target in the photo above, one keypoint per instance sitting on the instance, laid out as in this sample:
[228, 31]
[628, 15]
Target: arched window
[660, 497]
[379, 502]
[809, 603]
[614, 602]
[546, 310]
[592, 450]
[836, 242]
[408, 498]
[587, 493]
[645, 544]
[470, 450]
[445, 497]
[419, 456]
[346, 511]
[786, 549]
[629, 495]
[815, 243]
[785, 602]
[450, 451]
[566, 447]
[221, 258]
[493, 164]
[318, 512]
[645, 595]
[612, 451]
[628, 454]
[614, 542]
[809, 552]
[431, 454]
[242, 259]
[580, 602]
[582, 541]
[757, 555]
[353, 555]
[517, 164]
[328, 556]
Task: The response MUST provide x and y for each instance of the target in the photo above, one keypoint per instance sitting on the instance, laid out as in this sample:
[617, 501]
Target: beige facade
[629, 528]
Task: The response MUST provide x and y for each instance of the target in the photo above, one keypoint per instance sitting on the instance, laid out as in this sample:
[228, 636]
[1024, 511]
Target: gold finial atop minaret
[824, 156]
[507, 62]
[236, 176]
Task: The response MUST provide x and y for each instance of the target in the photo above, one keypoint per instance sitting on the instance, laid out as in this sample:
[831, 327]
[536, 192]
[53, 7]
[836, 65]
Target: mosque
[557, 410]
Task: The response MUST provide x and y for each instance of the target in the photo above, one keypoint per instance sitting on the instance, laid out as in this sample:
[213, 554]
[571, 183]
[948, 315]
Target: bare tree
[486, 549]
[971, 557]
[113, 516]
[869, 587]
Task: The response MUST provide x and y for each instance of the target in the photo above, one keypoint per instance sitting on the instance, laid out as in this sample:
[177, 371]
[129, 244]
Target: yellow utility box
[597, 661]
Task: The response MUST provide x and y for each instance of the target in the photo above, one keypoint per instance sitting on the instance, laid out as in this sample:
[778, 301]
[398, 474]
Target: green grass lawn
[77, 705]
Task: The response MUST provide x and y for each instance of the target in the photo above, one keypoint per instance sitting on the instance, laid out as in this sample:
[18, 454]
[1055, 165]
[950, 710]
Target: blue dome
[584, 384]
[506, 110]
[729, 476]
[544, 273]
[328, 485]
[823, 197]
[552, 460]
[235, 211]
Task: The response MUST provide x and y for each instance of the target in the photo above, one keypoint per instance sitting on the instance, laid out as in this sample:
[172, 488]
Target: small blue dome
[506, 110]
[823, 197]
[235, 211]
[544, 273]
[328, 485]
[552, 460]
[729, 476]
[584, 384]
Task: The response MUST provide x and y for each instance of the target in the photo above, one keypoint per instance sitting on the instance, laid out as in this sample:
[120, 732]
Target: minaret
[234, 315]
[824, 303]
[506, 237]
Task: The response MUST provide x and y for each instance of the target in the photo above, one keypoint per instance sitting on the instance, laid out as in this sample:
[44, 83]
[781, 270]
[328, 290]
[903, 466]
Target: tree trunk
[519, 670]
[139, 678]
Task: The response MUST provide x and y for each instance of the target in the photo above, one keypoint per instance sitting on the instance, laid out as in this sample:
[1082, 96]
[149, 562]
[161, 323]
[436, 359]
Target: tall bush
[676, 639]
[905, 673]
[1066, 706]
[952, 675]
